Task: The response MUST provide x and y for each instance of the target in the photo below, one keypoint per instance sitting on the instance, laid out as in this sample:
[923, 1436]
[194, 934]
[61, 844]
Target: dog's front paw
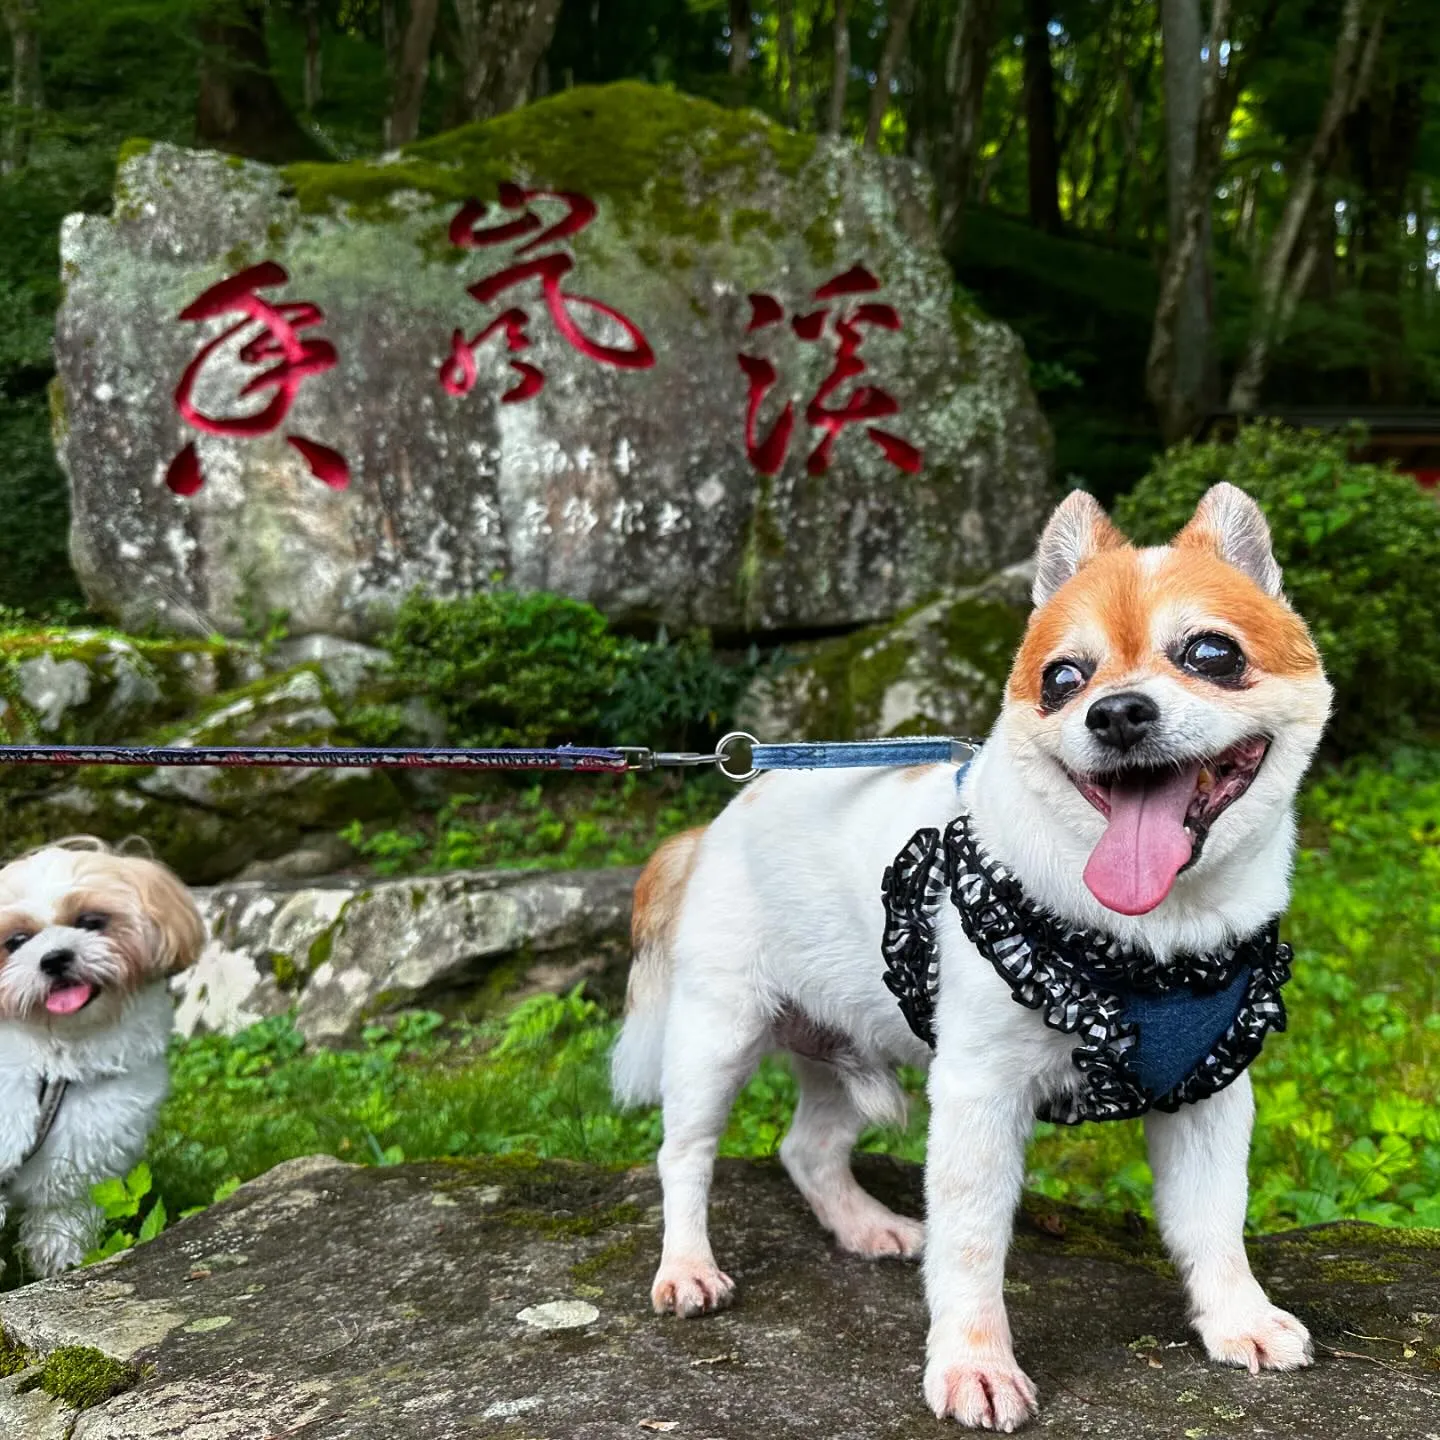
[1266, 1338]
[690, 1287]
[986, 1394]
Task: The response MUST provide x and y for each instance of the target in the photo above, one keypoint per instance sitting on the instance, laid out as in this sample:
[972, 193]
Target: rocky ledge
[510, 1299]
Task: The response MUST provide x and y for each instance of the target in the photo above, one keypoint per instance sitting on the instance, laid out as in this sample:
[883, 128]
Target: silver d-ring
[722, 754]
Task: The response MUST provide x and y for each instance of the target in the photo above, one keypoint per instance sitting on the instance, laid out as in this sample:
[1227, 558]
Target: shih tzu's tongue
[1145, 843]
[67, 999]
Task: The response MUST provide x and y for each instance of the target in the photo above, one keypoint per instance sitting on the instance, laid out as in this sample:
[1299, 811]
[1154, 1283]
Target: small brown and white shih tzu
[88, 939]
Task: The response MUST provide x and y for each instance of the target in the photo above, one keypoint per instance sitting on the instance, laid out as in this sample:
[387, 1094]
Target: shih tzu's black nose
[57, 963]
[1122, 721]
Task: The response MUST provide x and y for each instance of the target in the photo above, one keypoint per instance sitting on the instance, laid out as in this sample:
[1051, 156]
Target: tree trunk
[1190, 209]
[26, 100]
[894, 52]
[791, 92]
[390, 37]
[412, 69]
[995, 159]
[1383, 137]
[240, 108]
[312, 54]
[471, 52]
[739, 37]
[1193, 383]
[968, 68]
[501, 45]
[1044, 158]
[840, 79]
[1287, 263]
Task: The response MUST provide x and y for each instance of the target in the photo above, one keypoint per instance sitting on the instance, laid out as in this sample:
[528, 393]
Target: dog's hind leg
[712, 1044]
[816, 1154]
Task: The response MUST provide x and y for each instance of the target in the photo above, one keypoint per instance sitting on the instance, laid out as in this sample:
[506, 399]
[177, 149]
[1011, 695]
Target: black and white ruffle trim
[1062, 971]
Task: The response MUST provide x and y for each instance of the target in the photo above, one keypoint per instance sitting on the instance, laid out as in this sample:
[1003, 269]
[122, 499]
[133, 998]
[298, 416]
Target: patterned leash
[727, 756]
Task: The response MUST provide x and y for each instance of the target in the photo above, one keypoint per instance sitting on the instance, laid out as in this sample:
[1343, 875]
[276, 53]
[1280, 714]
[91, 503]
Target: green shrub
[508, 669]
[675, 693]
[1360, 548]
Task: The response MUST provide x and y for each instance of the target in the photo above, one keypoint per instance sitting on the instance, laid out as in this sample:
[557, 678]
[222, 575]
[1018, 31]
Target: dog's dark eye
[15, 941]
[1062, 680]
[91, 920]
[1213, 657]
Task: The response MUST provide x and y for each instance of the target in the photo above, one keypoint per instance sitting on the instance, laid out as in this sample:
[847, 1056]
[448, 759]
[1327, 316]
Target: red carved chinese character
[279, 340]
[458, 371]
[825, 411]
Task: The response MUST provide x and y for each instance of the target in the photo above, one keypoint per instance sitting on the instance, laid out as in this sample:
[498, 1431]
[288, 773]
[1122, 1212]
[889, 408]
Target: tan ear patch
[165, 907]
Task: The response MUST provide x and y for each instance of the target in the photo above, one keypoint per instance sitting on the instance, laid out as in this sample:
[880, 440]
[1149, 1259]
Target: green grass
[578, 822]
[1348, 1122]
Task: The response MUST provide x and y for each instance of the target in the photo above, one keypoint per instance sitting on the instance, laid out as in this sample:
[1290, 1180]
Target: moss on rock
[626, 142]
[938, 669]
[100, 686]
[14, 1357]
[81, 1376]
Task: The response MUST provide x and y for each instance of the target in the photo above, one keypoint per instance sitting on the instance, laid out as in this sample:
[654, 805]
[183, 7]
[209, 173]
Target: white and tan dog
[1138, 784]
[87, 940]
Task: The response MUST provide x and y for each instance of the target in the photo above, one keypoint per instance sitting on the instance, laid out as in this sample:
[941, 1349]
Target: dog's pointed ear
[1228, 522]
[1073, 536]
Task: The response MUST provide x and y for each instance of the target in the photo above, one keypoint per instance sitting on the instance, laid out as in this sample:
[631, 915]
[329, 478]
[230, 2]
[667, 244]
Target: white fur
[118, 1080]
[782, 912]
[142, 925]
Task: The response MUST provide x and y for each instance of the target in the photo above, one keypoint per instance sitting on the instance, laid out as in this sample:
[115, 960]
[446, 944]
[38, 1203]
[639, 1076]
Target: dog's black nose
[1122, 721]
[56, 963]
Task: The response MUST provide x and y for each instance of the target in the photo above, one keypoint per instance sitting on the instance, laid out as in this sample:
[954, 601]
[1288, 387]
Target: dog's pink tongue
[67, 999]
[1133, 867]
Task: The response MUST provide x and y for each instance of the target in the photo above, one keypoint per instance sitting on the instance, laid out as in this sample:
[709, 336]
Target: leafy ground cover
[1348, 1124]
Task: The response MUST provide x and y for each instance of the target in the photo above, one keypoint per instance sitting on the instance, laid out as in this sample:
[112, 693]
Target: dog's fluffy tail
[635, 1064]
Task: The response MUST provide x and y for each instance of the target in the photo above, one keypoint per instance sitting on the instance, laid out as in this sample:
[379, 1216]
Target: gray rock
[509, 1299]
[346, 665]
[939, 670]
[323, 855]
[50, 687]
[629, 488]
[345, 950]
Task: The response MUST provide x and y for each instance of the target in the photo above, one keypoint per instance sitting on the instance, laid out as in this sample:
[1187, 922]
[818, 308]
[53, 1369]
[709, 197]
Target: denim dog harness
[1152, 1034]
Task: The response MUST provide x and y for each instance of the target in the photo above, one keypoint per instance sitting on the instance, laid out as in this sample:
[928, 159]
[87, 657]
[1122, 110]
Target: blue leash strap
[850, 754]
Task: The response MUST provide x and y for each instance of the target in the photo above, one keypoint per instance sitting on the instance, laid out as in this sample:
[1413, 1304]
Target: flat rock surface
[511, 1300]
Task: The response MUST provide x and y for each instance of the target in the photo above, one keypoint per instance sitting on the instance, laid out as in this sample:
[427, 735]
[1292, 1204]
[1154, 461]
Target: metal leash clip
[642, 759]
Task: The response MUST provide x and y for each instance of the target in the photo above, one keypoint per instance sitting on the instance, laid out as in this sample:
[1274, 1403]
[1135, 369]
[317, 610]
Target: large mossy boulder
[628, 487]
[507, 1298]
